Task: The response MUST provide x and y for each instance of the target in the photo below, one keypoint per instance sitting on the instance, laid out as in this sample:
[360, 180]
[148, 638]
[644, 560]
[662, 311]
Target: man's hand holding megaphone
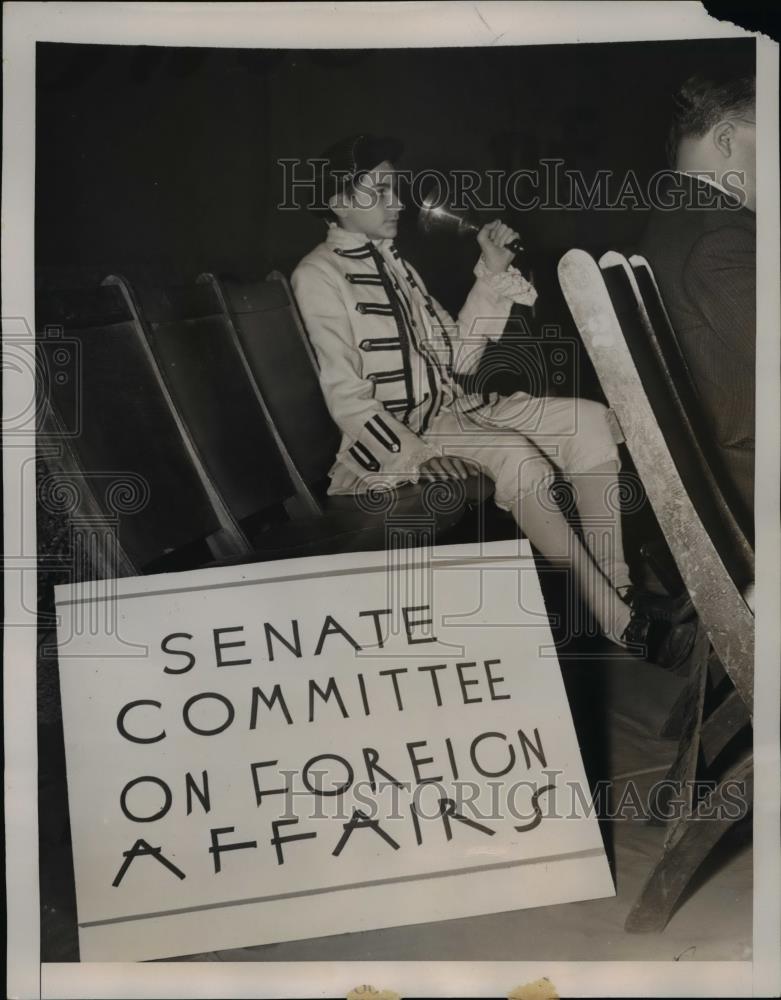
[438, 216]
[496, 241]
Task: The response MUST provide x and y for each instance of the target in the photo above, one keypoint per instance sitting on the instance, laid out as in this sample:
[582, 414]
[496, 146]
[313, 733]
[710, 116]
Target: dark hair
[701, 103]
[347, 161]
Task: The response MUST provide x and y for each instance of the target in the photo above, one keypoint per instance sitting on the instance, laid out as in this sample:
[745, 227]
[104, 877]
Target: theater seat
[122, 467]
[276, 350]
[710, 550]
[711, 553]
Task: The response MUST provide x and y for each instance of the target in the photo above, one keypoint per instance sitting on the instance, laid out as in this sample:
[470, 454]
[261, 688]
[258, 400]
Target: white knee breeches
[520, 439]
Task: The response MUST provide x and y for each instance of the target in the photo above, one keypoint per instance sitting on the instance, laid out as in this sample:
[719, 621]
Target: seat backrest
[680, 424]
[608, 324]
[668, 345]
[203, 369]
[114, 428]
[668, 349]
[283, 365]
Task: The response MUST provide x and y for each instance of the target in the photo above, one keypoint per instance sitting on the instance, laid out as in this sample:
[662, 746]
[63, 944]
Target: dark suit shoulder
[719, 252]
[682, 201]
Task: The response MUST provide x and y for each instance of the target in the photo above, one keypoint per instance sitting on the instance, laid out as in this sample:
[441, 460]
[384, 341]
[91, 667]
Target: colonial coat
[389, 353]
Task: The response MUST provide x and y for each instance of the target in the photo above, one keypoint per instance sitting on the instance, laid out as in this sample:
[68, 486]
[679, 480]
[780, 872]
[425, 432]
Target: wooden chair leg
[675, 722]
[724, 722]
[689, 843]
[690, 709]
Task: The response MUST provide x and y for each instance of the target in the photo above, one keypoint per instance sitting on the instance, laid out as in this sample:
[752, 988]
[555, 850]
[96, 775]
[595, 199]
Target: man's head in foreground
[714, 132]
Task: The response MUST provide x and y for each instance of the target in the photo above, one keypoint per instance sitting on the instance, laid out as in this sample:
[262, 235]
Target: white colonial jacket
[388, 352]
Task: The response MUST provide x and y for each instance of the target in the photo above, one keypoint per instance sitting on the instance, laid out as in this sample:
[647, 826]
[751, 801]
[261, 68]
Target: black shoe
[659, 607]
[665, 643]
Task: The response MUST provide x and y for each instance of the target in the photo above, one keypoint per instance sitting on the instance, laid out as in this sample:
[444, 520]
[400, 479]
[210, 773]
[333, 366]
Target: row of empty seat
[203, 403]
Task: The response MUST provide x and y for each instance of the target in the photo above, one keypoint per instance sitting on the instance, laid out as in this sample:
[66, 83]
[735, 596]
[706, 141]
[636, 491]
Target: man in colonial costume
[390, 357]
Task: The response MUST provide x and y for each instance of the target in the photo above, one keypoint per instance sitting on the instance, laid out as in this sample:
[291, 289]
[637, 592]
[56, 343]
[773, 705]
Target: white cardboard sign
[288, 750]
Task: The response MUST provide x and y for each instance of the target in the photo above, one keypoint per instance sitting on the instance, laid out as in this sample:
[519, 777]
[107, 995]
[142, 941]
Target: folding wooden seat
[272, 484]
[646, 387]
[120, 462]
[191, 343]
[710, 485]
[271, 337]
[668, 349]
[708, 546]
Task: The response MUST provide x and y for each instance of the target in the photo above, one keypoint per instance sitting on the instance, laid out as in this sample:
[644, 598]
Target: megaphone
[436, 216]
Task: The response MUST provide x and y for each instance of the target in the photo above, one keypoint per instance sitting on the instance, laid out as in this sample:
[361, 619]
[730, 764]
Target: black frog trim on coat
[377, 427]
[396, 405]
[374, 309]
[360, 253]
[364, 279]
[364, 457]
[380, 344]
[381, 378]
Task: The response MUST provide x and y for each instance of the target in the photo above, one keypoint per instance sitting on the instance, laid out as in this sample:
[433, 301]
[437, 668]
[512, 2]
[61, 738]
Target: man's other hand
[448, 468]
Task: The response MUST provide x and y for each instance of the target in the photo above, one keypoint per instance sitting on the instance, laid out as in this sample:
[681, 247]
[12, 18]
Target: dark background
[162, 162]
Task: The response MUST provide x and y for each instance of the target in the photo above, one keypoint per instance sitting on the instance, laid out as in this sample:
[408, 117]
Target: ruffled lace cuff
[418, 457]
[397, 471]
[509, 284]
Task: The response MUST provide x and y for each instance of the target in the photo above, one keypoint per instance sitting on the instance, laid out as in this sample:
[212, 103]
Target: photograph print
[395, 484]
